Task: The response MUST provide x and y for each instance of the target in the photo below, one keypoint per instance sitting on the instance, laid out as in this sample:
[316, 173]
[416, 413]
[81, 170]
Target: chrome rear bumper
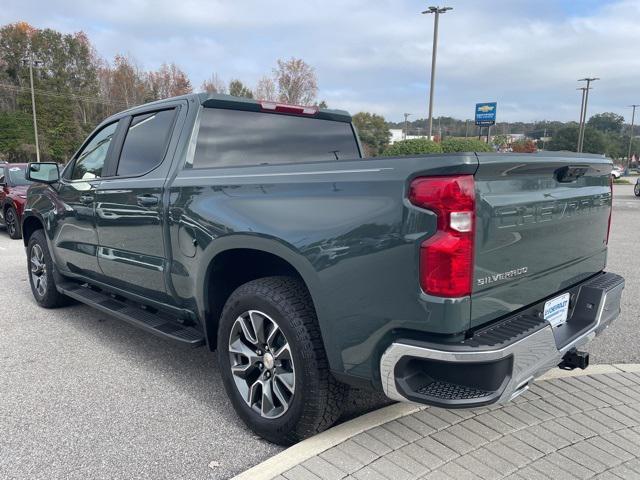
[519, 362]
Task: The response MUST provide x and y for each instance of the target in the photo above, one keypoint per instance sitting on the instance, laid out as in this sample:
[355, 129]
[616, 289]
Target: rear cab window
[229, 138]
[146, 142]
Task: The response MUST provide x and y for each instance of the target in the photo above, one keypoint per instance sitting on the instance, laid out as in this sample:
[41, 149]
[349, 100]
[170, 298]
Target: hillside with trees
[75, 89]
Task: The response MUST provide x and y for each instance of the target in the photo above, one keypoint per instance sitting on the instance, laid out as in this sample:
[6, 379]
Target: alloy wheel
[11, 222]
[38, 270]
[262, 364]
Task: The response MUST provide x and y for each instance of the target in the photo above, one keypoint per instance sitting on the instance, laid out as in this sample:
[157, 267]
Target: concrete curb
[313, 446]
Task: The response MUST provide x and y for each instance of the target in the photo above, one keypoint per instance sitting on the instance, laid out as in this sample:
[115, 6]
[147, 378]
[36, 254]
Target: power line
[73, 96]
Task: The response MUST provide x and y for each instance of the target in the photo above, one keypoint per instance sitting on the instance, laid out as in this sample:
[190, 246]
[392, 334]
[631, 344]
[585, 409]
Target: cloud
[375, 55]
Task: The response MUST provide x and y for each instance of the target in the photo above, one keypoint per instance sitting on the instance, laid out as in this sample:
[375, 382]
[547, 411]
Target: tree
[124, 82]
[297, 83]
[66, 89]
[567, 139]
[373, 132]
[266, 89]
[238, 89]
[607, 122]
[214, 84]
[168, 81]
[415, 146]
[451, 145]
[526, 145]
[500, 141]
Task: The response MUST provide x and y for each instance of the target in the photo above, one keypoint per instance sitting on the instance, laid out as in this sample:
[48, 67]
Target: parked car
[258, 230]
[617, 172]
[13, 196]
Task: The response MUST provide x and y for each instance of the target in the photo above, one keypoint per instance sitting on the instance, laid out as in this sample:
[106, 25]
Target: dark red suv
[13, 195]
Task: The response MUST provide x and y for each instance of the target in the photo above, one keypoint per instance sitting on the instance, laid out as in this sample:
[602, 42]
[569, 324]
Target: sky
[375, 55]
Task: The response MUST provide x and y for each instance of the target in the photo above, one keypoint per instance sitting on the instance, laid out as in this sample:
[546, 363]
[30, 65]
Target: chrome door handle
[147, 200]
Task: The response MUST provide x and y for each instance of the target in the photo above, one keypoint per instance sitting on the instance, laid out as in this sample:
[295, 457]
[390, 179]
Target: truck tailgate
[542, 225]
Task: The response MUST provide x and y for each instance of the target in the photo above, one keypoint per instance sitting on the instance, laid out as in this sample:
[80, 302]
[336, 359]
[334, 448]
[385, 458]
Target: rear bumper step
[498, 362]
[160, 324]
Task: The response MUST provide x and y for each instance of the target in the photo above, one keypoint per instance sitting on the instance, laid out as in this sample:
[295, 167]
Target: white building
[397, 134]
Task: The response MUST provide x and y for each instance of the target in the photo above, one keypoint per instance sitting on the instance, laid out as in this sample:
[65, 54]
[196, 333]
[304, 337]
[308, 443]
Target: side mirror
[43, 172]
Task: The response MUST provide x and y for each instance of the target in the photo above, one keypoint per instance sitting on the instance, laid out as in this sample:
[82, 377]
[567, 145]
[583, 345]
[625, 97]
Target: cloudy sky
[375, 55]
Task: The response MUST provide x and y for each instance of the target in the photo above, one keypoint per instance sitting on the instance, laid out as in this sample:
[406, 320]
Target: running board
[160, 324]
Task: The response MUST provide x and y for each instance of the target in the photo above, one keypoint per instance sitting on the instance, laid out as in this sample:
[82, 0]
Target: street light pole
[406, 125]
[584, 112]
[437, 11]
[633, 117]
[31, 62]
[584, 89]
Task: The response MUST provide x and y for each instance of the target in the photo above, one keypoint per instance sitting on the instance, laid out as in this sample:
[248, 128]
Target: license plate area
[556, 310]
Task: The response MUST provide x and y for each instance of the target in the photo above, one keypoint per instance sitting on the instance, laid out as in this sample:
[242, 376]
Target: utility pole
[544, 139]
[466, 128]
[583, 117]
[437, 11]
[406, 125]
[584, 89]
[31, 62]
[633, 117]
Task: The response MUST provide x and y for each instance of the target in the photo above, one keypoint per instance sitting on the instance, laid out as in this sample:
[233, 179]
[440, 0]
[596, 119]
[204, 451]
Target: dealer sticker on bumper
[556, 310]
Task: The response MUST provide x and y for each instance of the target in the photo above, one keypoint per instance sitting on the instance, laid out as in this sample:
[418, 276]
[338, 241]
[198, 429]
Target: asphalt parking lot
[83, 395]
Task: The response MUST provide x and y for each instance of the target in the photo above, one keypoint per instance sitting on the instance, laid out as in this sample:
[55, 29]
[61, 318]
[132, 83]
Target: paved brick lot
[571, 428]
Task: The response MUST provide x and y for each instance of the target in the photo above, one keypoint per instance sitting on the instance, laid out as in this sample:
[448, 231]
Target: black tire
[317, 400]
[12, 222]
[636, 189]
[45, 293]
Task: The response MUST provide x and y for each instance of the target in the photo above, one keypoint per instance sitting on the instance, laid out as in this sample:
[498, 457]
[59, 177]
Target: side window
[91, 159]
[2, 177]
[146, 142]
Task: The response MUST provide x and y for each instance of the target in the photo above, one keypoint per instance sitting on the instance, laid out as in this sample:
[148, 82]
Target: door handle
[86, 199]
[147, 200]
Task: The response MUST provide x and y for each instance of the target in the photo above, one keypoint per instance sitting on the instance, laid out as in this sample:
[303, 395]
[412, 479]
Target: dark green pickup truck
[258, 230]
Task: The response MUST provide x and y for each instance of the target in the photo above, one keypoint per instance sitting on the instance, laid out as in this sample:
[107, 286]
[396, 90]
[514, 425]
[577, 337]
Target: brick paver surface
[571, 428]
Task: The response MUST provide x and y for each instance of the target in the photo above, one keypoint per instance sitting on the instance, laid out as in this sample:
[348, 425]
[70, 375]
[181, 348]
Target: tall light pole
[406, 125]
[31, 62]
[583, 117]
[437, 11]
[633, 117]
[584, 89]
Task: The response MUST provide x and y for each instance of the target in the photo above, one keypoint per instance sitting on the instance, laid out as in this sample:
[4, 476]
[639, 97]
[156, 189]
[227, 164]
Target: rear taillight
[283, 108]
[611, 208]
[446, 258]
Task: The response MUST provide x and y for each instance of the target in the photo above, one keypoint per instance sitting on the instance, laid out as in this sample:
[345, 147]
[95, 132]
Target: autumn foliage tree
[296, 81]
[524, 146]
[168, 81]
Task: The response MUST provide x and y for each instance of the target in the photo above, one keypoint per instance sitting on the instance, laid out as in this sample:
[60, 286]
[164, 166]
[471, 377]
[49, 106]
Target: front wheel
[13, 223]
[636, 189]
[41, 277]
[273, 362]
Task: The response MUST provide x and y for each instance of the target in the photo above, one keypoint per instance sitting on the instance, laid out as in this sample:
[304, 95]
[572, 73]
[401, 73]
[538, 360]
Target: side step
[158, 323]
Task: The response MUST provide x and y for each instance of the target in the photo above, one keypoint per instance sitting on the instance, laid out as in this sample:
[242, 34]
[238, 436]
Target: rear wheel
[273, 362]
[636, 189]
[41, 277]
[13, 223]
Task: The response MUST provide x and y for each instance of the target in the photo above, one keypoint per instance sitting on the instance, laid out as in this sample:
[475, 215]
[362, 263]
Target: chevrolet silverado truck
[258, 230]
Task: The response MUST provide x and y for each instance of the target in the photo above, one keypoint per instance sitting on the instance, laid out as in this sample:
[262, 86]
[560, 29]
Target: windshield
[16, 176]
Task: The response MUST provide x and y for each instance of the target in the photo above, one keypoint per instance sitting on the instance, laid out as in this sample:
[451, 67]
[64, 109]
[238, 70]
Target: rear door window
[146, 142]
[236, 138]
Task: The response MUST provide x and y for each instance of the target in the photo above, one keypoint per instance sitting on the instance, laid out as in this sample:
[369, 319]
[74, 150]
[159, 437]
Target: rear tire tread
[324, 402]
